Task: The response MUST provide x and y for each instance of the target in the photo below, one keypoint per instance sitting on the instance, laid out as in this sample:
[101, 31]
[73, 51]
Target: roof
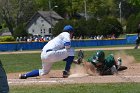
[6, 34]
[49, 16]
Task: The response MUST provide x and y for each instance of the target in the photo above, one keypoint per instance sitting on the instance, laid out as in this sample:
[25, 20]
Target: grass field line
[84, 49]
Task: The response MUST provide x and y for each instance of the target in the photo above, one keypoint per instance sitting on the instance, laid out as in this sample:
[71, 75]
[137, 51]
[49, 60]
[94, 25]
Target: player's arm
[67, 45]
[67, 41]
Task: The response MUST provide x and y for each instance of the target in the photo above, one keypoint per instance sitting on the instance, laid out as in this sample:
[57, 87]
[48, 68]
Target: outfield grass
[26, 62]
[78, 88]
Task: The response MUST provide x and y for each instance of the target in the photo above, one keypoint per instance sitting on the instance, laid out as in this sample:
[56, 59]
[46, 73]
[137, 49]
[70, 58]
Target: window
[33, 31]
[42, 21]
[49, 30]
[44, 30]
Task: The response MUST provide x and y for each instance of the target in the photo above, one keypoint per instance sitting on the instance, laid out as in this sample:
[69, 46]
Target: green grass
[26, 62]
[78, 88]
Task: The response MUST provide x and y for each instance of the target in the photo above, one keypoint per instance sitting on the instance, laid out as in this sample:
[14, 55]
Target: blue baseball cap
[68, 28]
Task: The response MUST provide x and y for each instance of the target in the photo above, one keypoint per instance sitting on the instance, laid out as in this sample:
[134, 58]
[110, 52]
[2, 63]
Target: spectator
[17, 39]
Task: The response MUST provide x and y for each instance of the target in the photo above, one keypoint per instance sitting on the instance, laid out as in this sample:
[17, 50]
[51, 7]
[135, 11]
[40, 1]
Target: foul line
[18, 81]
[71, 80]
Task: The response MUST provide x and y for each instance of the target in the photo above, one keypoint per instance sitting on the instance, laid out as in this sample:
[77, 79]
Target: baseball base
[78, 75]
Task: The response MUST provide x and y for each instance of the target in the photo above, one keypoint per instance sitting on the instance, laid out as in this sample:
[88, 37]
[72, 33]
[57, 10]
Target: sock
[33, 73]
[69, 61]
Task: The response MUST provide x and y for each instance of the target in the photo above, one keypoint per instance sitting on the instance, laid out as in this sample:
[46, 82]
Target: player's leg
[69, 61]
[33, 73]
[63, 54]
[46, 67]
[118, 63]
[47, 61]
[114, 70]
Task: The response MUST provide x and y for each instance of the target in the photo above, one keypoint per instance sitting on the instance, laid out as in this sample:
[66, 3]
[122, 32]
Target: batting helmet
[68, 28]
[99, 57]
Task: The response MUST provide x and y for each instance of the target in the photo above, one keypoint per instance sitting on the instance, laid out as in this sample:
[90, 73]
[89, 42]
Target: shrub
[109, 26]
[133, 23]
[58, 28]
[7, 38]
[129, 25]
[20, 31]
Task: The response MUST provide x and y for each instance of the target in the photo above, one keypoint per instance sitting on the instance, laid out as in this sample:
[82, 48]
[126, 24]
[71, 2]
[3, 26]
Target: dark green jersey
[109, 60]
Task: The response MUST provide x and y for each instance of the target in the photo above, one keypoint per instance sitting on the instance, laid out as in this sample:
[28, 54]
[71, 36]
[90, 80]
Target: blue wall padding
[131, 38]
[75, 43]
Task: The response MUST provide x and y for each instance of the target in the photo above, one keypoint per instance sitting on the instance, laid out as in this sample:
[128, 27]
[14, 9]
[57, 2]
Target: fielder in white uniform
[55, 50]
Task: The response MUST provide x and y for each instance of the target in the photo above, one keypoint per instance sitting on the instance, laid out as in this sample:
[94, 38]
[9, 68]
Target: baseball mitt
[80, 57]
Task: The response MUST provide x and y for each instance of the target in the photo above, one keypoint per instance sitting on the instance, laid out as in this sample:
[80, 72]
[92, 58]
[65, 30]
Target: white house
[42, 22]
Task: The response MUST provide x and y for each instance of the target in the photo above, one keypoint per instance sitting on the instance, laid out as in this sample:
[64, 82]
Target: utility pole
[85, 5]
[50, 11]
[120, 7]
[49, 4]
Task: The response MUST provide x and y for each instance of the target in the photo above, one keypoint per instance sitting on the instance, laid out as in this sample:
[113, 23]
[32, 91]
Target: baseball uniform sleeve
[66, 40]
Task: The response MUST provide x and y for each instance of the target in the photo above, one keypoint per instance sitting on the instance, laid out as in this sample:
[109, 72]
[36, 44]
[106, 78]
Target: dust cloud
[126, 59]
[80, 71]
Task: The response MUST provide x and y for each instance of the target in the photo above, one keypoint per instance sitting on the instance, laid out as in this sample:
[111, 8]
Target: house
[42, 22]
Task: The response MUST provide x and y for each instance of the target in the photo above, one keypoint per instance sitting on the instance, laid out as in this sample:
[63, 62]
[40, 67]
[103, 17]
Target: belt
[49, 50]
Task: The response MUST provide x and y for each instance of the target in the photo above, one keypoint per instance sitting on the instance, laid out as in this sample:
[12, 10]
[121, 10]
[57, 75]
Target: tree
[91, 26]
[109, 26]
[134, 2]
[14, 12]
[81, 29]
[129, 24]
[133, 22]
[20, 31]
[5, 14]
[58, 28]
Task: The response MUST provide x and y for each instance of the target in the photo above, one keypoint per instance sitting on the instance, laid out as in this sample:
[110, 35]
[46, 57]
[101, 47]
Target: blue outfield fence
[21, 46]
[131, 38]
[16, 46]
[88, 43]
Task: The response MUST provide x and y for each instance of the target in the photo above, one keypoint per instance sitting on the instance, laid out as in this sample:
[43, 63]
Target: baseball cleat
[65, 74]
[22, 76]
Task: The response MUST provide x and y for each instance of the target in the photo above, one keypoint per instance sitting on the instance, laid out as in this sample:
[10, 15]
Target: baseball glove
[80, 57]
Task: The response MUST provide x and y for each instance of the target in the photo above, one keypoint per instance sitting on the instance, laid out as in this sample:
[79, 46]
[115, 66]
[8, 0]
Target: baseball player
[138, 38]
[137, 43]
[104, 66]
[4, 87]
[55, 50]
